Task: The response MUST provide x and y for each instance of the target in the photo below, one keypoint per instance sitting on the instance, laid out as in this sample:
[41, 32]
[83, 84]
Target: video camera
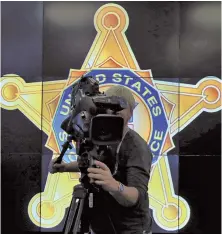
[93, 123]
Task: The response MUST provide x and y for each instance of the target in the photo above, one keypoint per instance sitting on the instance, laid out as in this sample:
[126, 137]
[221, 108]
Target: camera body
[93, 123]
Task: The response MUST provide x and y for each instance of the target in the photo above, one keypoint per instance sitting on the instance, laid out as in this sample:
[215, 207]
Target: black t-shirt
[135, 160]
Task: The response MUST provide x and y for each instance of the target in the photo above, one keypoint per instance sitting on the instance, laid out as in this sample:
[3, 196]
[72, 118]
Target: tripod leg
[71, 215]
[78, 217]
[76, 221]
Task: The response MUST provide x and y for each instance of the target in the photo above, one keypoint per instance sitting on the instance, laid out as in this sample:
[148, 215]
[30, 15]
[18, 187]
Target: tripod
[76, 221]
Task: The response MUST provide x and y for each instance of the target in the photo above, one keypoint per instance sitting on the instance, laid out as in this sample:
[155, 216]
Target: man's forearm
[128, 197]
[72, 167]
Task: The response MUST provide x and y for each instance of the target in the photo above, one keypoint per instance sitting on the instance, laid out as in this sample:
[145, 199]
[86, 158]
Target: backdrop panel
[166, 53]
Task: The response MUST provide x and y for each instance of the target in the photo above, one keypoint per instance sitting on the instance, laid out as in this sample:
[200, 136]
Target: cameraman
[124, 209]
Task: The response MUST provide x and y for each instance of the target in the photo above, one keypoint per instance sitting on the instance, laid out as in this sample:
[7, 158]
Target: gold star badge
[163, 109]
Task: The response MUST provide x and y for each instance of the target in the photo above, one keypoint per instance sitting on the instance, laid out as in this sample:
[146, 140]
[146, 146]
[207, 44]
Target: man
[123, 208]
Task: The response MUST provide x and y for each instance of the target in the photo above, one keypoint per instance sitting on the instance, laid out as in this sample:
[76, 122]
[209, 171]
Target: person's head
[125, 93]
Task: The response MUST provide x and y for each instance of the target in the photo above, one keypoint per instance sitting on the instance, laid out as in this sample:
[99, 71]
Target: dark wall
[42, 41]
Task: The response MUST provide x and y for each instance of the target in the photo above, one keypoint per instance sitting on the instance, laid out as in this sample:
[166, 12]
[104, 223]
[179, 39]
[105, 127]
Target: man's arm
[63, 167]
[137, 171]
[72, 167]
[125, 196]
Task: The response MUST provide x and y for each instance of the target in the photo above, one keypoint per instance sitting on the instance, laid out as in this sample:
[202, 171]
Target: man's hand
[102, 176]
[56, 167]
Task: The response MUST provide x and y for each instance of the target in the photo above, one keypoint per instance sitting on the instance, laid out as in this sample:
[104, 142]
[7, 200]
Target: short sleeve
[138, 166]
